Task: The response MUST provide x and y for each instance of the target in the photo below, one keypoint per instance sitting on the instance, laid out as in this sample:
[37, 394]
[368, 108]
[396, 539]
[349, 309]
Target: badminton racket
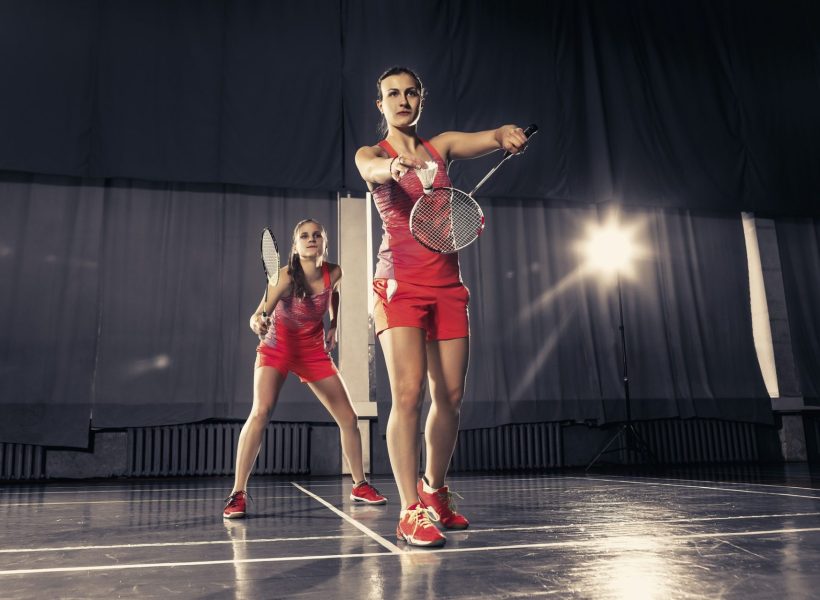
[270, 264]
[446, 219]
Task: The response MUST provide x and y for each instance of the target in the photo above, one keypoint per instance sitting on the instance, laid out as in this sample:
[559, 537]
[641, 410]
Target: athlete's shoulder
[335, 272]
[375, 151]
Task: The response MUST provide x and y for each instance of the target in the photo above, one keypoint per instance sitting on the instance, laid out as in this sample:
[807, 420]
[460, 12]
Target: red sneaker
[235, 506]
[442, 507]
[364, 492]
[416, 529]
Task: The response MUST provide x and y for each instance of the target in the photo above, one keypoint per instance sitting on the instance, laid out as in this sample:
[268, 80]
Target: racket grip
[527, 132]
[264, 318]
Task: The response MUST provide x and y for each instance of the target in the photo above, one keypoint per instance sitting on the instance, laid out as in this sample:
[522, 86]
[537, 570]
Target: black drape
[798, 242]
[545, 343]
[215, 91]
[50, 230]
[696, 104]
[126, 303]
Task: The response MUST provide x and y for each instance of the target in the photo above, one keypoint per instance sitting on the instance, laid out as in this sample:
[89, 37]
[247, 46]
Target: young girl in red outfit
[294, 339]
[421, 303]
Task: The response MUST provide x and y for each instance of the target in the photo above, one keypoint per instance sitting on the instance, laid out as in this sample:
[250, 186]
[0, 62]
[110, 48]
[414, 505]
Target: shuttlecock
[427, 175]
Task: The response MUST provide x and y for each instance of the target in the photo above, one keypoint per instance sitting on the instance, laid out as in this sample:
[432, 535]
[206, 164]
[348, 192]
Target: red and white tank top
[301, 319]
[401, 257]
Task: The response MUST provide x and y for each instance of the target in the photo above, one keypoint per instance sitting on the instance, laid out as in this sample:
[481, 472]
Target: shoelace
[420, 518]
[232, 499]
[451, 504]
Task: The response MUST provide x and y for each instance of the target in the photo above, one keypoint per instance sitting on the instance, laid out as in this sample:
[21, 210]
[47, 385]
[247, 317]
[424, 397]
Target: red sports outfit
[414, 286]
[296, 338]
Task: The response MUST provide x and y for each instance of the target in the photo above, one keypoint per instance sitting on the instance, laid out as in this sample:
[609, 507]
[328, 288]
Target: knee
[260, 415]
[348, 423]
[450, 400]
[407, 398]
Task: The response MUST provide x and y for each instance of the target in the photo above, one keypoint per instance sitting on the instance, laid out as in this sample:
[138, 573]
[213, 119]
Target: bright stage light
[610, 248]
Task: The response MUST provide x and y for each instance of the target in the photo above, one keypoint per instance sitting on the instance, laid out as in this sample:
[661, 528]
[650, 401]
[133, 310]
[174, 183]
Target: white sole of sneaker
[407, 539]
[371, 502]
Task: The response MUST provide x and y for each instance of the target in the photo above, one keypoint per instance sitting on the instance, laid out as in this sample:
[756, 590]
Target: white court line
[125, 488]
[548, 478]
[575, 477]
[122, 490]
[198, 563]
[774, 485]
[148, 501]
[597, 542]
[175, 544]
[604, 524]
[586, 526]
[704, 487]
[387, 544]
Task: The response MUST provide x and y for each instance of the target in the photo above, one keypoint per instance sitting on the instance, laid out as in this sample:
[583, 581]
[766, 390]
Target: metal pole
[629, 440]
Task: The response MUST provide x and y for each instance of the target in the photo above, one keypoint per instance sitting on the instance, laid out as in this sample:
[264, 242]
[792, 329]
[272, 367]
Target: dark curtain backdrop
[545, 342]
[696, 104]
[50, 231]
[798, 242]
[127, 303]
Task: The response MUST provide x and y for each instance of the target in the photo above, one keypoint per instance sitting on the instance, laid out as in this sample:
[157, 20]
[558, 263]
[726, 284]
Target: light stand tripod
[630, 439]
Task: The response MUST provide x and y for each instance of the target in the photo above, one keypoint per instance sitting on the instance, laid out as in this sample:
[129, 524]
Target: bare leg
[267, 383]
[404, 354]
[333, 394]
[447, 362]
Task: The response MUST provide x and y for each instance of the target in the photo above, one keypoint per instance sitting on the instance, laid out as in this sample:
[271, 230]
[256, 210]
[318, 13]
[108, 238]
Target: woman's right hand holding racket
[399, 165]
[259, 325]
[512, 138]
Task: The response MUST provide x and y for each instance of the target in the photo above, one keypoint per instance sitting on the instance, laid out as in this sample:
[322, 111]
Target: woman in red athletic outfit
[294, 339]
[421, 303]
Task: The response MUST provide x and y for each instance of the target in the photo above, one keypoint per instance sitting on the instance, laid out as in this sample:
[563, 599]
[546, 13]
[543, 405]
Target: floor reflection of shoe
[416, 529]
[442, 507]
[235, 505]
[364, 492]
[236, 529]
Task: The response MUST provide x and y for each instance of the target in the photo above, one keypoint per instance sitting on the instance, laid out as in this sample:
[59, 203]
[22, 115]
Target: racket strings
[270, 258]
[447, 220]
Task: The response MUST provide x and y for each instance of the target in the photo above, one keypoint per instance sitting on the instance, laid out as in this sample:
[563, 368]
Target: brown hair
[299, 287]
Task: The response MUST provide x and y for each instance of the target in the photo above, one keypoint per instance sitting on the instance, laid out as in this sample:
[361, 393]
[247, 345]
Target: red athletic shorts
[441, 311]
[310, 363]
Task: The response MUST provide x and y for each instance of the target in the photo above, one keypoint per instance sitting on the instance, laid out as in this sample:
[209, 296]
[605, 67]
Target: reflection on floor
[708, 533]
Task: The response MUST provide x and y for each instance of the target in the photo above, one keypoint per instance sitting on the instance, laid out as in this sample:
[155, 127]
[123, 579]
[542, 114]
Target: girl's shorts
[440, 311]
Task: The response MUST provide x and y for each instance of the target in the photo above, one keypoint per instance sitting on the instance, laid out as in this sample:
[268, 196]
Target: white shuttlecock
[428, 175]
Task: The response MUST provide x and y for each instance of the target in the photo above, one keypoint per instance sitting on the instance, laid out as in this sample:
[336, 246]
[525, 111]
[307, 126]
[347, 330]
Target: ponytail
[299, 286]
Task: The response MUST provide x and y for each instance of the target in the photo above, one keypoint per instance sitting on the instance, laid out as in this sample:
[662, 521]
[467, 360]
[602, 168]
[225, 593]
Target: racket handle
[527, 132]
[264, 318]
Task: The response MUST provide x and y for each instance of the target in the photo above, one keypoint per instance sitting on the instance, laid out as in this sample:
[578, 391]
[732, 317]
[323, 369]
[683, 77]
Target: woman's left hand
[511, 138]
[330, 339]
